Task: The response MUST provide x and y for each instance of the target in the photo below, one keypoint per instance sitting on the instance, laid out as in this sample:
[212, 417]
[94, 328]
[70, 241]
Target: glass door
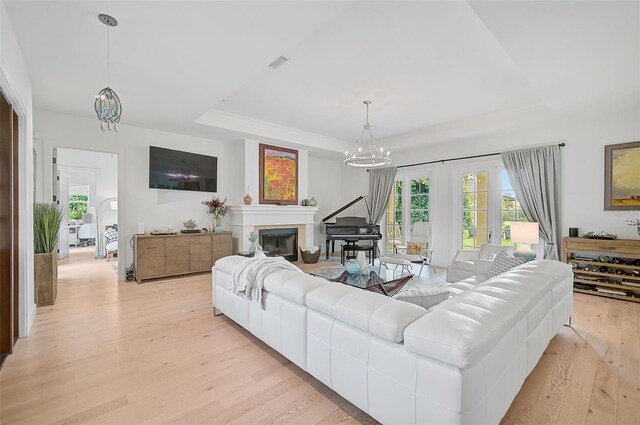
[475, 210]
[393, 219]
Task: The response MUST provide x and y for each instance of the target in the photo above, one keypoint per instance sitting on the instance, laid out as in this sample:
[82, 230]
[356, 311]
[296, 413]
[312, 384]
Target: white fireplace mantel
[249, 218]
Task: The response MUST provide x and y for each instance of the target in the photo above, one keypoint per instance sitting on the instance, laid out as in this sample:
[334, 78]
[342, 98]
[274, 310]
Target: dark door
[8, 227]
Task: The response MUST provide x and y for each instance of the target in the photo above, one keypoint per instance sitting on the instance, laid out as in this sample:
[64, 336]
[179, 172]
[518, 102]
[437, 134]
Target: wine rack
[605, 268]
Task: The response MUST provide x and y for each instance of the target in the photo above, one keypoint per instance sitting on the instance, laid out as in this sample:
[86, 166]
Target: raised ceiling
[424, 64]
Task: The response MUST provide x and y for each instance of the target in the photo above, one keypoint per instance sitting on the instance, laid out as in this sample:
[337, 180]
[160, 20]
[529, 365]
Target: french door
[408, 204]
[487, 205]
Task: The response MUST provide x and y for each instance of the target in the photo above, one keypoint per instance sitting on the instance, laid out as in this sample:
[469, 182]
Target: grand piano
[350, 229]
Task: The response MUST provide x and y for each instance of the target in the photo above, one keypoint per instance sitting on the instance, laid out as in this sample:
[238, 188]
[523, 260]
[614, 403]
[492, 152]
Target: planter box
[46, 278]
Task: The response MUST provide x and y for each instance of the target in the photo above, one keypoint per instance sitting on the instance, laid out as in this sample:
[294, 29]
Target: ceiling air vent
[278, 62]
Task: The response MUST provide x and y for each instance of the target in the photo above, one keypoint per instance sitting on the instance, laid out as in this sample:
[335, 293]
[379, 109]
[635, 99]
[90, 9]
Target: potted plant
[217, 209]
[46, 223]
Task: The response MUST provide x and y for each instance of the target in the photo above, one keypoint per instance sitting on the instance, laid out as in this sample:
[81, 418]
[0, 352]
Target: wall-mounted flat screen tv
[176, 170]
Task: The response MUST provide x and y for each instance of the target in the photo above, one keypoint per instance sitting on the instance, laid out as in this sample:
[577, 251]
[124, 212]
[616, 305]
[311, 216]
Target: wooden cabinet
[170, 255]
[606, 268]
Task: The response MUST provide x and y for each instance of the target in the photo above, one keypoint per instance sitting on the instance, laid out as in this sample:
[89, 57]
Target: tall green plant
[46, 223]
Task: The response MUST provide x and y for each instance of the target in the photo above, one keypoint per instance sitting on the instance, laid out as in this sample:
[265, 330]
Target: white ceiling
[426, 65]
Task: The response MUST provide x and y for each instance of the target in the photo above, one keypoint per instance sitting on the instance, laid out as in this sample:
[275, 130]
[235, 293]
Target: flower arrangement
[217, 208]
[253, 238]
[635, 223]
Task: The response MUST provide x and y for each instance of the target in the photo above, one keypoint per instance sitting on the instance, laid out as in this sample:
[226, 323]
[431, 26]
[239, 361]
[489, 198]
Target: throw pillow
[424, 297]
[502, 263]
[111, 235]
[415, 248]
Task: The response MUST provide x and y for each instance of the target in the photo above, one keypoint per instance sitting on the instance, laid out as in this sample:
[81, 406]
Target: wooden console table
[170, 255]
[606, 268]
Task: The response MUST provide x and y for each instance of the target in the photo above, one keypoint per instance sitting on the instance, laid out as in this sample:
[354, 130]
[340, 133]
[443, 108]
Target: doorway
[86, 188]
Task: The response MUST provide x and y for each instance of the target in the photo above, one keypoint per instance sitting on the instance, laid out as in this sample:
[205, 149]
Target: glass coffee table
[387, 282]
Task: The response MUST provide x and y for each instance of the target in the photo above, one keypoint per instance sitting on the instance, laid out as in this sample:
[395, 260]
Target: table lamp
[522, 233]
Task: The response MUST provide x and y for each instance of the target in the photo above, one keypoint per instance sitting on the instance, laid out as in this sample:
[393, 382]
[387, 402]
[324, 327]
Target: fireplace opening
[280, 242]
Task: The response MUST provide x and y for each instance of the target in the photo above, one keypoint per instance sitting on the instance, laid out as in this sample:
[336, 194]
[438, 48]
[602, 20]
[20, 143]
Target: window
[393, 225]
[78, 206]
[511, 209]
[419, 199]
[475, 219]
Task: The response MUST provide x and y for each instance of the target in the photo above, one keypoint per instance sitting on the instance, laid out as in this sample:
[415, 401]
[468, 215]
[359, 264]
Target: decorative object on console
[312, 202]
[107, 104]
[600, 235]
[622, 177]
[525, 233]
[278, 170]
[190, 224]
[140, 229]
[573, 232]
[502, 263]
[255, 246]
[247, 198]
[366, 152]
[163, 232]
[217, 209]
[635, 223]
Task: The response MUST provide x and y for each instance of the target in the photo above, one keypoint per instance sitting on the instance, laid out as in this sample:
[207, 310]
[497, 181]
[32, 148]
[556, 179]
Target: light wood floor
[122, 353]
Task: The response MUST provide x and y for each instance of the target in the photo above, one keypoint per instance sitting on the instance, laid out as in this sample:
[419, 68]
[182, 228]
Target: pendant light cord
[108, 59]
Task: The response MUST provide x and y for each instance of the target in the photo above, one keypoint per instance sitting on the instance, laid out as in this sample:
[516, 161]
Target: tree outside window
[78, 206]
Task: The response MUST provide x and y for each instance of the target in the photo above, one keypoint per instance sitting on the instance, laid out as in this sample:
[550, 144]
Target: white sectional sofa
[463, 362]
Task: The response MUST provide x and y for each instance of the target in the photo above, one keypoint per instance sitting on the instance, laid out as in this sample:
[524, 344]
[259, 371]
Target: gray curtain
[380, 185]
[535, 177]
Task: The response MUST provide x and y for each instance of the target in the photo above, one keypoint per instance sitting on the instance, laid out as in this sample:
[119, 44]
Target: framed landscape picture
[622, 177]
[278, 175]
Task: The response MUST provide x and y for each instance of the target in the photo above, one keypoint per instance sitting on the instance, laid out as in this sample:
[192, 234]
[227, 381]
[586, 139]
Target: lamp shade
[525, 232]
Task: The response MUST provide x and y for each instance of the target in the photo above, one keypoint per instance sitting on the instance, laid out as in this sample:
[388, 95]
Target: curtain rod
[561, 145]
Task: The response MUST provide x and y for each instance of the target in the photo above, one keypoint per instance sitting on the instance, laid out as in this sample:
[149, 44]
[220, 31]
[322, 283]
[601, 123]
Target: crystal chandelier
[107, 103]
[367, 152]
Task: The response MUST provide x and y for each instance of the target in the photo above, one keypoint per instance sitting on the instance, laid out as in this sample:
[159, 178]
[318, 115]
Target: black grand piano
[351, 229]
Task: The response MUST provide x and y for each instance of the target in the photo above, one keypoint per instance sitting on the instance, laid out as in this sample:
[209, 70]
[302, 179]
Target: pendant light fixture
[107, 103]
[367, 153]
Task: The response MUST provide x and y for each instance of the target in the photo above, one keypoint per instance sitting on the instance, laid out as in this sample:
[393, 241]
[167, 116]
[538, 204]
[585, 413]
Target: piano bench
[345, 249]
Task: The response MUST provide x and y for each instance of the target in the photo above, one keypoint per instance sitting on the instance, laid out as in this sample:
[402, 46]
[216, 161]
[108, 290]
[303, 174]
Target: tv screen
[176, 170]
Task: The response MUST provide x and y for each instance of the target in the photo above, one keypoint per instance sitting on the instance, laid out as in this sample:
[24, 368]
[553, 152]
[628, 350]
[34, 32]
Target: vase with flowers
[255, 246]
[217, 209]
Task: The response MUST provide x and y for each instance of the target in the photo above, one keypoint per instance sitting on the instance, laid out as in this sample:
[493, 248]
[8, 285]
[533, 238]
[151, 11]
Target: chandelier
[367, 152]
[107, 103]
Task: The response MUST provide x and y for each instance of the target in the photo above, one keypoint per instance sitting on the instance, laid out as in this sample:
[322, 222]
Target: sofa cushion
[456, 288]
[229, 263]
[293, 286]
[424, 297]
[379, 315]
[502, 263]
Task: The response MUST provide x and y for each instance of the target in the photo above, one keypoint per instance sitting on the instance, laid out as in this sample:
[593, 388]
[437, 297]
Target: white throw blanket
[248, 277]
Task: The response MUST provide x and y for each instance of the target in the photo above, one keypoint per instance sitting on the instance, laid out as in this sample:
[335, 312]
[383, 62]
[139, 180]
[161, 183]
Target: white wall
[582, 182]
[16, 86]
[325, 180]
[137, 203]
